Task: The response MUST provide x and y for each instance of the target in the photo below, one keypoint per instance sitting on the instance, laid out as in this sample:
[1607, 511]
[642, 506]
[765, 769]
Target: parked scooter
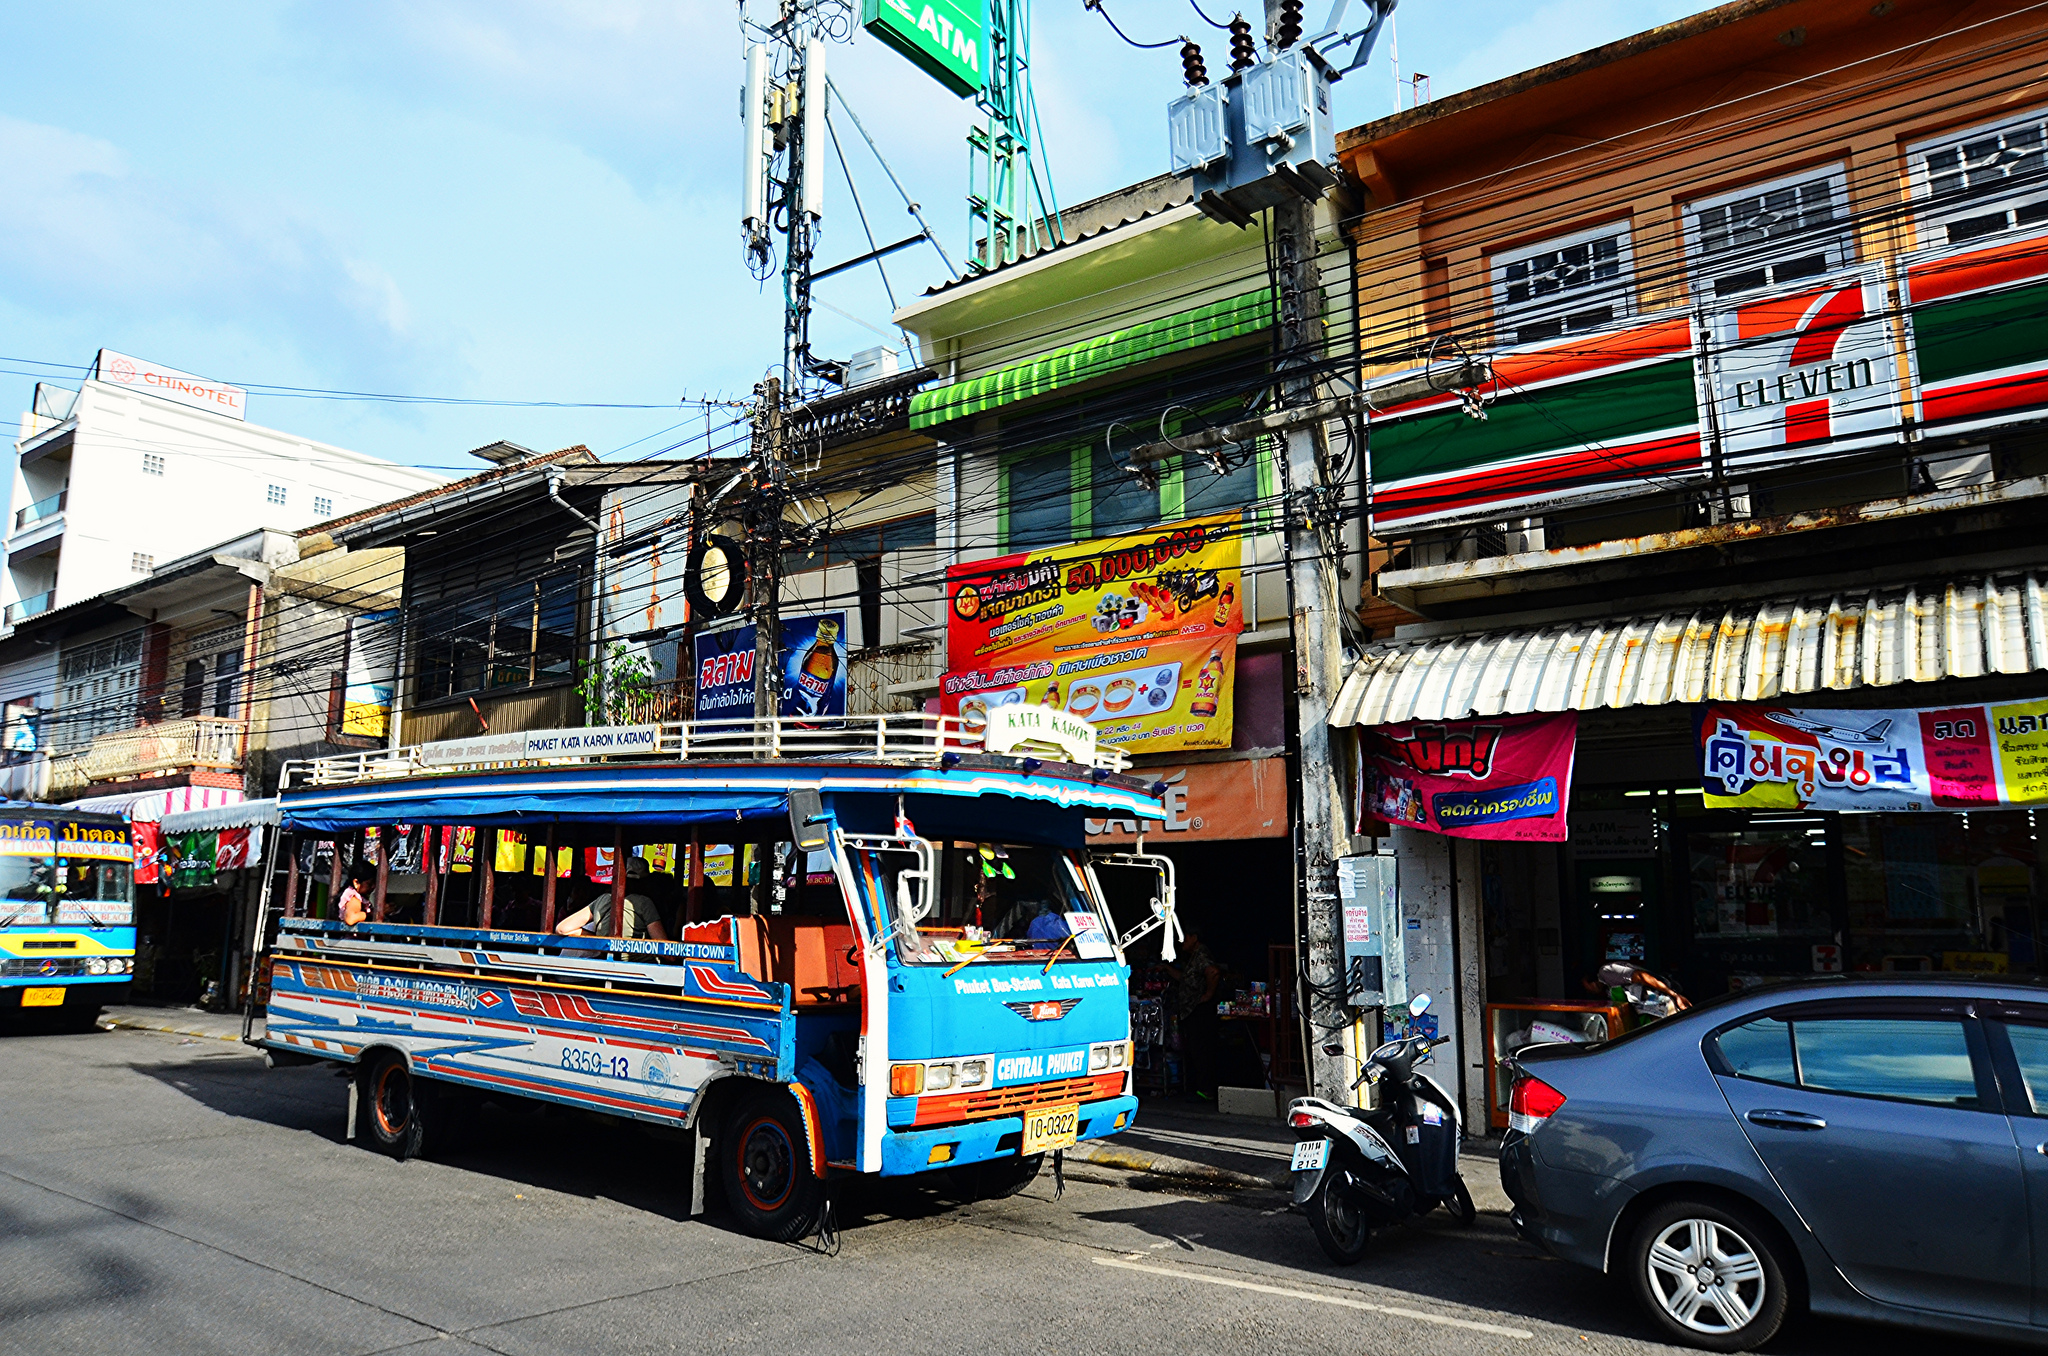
[1356, 1170]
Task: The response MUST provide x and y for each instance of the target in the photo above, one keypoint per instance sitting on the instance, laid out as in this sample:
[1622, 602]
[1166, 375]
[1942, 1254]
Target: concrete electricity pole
[1313, 603]
[765, 546]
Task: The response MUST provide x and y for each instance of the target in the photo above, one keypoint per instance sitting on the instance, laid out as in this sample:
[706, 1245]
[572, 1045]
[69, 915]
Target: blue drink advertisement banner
[812, 681]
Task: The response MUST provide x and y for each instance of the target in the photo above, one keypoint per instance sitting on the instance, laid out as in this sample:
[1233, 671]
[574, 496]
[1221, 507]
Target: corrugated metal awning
[1965, 628]
[241, 815]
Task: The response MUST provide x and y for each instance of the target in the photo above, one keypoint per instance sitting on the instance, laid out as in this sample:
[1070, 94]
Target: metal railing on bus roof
[902, 737]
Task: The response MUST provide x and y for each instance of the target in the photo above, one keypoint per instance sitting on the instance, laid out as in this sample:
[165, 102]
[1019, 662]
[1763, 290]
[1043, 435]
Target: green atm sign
[948, 38]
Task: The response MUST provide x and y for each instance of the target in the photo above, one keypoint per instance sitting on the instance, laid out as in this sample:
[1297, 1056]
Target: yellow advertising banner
[1136, 634]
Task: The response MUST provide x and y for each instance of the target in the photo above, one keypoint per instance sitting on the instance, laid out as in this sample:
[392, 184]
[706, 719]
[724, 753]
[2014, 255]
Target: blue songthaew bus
[67, 914]
[867, 946]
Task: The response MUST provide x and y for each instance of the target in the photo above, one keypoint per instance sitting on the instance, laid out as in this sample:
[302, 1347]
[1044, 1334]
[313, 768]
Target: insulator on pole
[1244, 50]
[1288, 32]
[1196, 74]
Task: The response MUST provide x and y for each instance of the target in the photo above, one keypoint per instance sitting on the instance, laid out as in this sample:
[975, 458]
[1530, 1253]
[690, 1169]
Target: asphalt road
[168, 1193]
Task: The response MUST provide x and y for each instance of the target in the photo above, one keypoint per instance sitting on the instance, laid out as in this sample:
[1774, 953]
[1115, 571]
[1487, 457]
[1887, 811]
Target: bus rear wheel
[765, 1162]
[392, 1109]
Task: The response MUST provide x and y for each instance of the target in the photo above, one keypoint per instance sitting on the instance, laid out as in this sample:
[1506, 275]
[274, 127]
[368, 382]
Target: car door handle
[1786, 1120]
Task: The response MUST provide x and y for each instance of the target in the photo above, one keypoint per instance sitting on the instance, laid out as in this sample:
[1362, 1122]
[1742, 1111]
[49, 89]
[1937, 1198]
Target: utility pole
[1320, 831]
[764, 546]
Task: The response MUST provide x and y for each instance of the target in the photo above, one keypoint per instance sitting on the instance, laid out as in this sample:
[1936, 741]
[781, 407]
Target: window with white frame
[1983, 181]
[141, 563]
[1770, 234]
[274, 494]
[323, 507]
[1563, 286]
[152, 464]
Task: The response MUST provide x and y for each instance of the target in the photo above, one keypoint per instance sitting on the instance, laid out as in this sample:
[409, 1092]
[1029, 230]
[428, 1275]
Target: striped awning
[1231, 318]
[151, 806]
[1963, 628]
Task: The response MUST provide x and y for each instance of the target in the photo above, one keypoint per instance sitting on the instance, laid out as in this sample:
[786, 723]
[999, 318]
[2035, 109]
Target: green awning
[1230, 318]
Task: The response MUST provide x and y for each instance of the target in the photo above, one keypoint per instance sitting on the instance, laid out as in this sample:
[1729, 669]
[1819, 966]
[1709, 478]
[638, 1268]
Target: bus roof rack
[912, 738]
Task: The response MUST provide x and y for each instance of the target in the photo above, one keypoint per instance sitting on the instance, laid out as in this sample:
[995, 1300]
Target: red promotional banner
[1487, 777]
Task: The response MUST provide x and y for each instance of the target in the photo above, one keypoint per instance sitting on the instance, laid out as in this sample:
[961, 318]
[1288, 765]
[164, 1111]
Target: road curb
[139, 1024]
[1177, 1169]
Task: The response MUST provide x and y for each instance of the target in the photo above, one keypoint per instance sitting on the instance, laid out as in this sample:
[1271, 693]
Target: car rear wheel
[1708, 1276]
[1339, 1225]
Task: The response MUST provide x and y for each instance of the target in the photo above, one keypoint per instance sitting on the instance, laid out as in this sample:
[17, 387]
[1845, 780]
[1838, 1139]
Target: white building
[144, 464]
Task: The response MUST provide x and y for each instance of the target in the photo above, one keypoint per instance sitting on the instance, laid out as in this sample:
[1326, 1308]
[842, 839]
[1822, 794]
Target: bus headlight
[938, 1077]
[94, 965]
[973, 1072]
[1098, 1057]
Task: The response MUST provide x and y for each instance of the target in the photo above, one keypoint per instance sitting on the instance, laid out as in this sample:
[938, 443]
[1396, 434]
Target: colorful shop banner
[1136, 635]
[1489, 777]
[1937, 758]
[813, 677]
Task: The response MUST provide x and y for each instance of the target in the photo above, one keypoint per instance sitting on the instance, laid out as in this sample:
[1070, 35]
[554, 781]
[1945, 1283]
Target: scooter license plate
[1310, 1155]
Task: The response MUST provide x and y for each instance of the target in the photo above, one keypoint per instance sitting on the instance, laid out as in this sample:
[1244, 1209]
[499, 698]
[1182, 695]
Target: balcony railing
[163, 749]
[655, 704]
[41, 509]
[29, 607]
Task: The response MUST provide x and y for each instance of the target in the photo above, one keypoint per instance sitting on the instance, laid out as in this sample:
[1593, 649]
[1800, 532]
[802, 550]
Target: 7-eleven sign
[1812, 370]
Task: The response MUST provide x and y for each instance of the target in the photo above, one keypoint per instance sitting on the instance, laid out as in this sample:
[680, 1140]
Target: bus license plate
[43, 998]
[1310, 1155]
[1051, 1127]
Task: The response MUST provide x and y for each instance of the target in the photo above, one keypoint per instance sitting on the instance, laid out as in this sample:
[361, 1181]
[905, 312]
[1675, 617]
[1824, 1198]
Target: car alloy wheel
[1706, 1275]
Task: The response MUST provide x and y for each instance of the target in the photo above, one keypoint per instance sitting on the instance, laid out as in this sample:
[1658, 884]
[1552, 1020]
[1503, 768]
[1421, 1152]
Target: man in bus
[595, 918]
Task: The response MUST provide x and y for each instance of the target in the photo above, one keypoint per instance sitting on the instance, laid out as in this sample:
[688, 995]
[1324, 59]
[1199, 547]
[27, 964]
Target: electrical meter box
[1375, 953]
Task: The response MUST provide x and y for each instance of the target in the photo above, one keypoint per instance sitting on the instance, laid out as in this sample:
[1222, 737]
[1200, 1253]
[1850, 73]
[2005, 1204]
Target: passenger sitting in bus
[595, 918]
[354, 903]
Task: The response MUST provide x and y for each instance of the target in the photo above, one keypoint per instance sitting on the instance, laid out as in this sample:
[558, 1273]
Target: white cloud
[96, 236]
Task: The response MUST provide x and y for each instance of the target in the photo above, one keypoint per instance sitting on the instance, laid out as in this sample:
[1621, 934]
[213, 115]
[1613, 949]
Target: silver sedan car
[1874, 1147]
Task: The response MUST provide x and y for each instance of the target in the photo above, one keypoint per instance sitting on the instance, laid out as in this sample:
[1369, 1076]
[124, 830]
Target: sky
[509, 200]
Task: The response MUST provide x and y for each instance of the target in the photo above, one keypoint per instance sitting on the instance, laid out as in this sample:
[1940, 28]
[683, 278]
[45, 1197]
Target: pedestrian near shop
[1196, 977]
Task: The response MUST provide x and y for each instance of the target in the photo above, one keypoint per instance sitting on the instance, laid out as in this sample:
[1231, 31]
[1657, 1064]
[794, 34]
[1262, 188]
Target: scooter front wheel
[1461, 1207]
[1340, 1226]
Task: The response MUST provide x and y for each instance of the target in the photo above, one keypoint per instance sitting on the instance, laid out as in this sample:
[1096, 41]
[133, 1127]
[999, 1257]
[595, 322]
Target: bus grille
[49, 968]
[953, 1107]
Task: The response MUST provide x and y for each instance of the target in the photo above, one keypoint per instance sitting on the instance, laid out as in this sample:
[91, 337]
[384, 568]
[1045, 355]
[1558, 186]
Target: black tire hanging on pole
[702, 603]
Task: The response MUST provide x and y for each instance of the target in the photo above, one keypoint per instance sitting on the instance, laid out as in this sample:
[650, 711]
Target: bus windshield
[64, 872]
[26, 884]
[997, 901]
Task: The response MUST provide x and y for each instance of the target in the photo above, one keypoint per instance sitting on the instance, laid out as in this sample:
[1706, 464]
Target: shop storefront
[1892, 827]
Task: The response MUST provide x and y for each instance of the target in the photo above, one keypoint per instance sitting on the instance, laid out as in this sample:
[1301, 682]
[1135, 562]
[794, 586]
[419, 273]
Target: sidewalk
[1189, 1142]
[175, 1021]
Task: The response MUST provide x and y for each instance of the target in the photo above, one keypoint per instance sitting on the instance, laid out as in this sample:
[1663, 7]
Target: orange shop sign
[1212, 802]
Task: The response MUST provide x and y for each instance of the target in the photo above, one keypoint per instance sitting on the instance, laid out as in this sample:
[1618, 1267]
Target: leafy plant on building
[624, 690]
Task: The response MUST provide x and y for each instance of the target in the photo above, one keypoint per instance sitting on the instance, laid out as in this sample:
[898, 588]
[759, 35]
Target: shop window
[1231, 481]
[1038, 494]
[521, 635]
[1982, 182]
[1770, 235]
[101, 684]
[1564, 286]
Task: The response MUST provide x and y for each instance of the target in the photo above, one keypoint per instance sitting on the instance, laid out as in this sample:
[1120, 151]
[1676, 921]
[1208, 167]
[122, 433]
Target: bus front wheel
[765, 1161]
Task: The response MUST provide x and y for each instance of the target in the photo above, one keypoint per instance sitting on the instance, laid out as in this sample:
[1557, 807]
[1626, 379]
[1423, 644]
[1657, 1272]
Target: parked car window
[2030, 1048]
[1914, 1061]
[1760, 1049]
[1907, 1060]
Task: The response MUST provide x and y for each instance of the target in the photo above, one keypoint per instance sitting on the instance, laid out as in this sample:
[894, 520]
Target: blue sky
[511, 200]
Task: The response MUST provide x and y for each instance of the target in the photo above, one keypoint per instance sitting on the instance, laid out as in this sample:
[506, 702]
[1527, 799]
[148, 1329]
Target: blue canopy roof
[671, 793]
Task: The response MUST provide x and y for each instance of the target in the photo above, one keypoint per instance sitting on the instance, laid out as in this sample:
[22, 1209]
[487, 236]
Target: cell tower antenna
[1012, 210]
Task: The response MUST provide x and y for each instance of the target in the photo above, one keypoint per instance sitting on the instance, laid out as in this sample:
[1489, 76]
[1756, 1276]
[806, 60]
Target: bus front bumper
[79, 991]
[910, 1151]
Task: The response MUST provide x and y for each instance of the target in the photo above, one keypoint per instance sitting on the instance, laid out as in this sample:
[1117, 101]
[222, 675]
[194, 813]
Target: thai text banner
[1502, 777]
[1136, 635]
[1923, 758]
